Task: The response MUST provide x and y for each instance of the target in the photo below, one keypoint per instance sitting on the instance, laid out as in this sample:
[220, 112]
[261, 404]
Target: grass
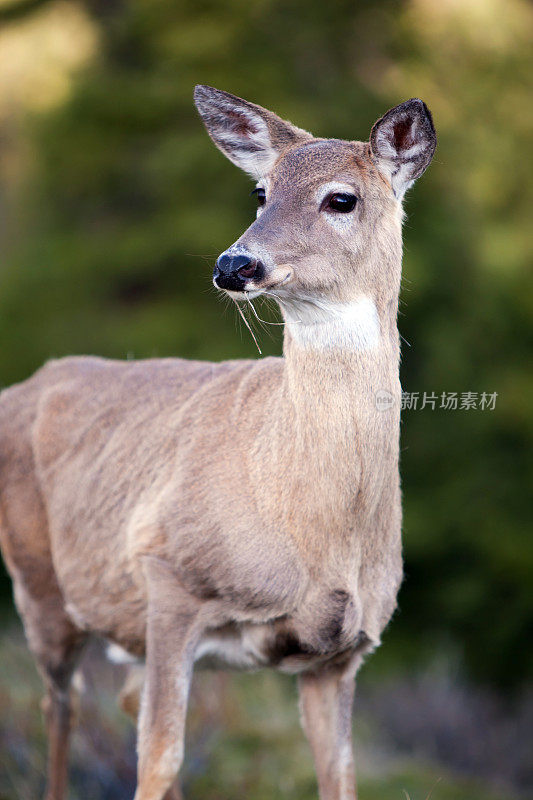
[243, 741]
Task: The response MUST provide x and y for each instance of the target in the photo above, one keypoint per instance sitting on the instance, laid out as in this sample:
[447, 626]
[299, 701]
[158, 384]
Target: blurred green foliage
[112, 224]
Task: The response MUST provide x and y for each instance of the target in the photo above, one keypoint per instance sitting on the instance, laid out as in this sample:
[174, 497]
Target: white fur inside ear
[247, 144]
[400, 166]
[324, 325]
[385, 139]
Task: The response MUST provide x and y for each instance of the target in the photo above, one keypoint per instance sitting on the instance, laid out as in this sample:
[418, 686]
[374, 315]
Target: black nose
[232, 271]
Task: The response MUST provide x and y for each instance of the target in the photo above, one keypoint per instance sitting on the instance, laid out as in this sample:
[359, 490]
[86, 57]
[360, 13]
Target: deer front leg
[173, 629]
[130, 702]
[326, 700]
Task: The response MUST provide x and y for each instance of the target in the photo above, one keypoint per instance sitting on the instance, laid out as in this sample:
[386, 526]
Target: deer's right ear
[403, 142]
[249, 135]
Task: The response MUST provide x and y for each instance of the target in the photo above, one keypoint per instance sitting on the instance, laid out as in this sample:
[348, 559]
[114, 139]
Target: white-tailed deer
[246, 512]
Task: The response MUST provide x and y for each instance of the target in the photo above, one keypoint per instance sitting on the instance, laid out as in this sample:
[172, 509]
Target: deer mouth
[250, 288]
[280, 276]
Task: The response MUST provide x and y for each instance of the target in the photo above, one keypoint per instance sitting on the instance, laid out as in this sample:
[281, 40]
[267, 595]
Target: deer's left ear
[403, 142]
[250, 136]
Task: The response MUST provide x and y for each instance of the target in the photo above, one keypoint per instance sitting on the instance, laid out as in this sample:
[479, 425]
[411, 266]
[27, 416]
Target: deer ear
[403, 143]
[249, 135]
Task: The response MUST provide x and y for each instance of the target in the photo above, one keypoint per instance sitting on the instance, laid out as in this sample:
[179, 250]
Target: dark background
[114, 205]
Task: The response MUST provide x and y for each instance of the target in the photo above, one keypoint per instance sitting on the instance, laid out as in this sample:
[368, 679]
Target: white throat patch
[325, 325]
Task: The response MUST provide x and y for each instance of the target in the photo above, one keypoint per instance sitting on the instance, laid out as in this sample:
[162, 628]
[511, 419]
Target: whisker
[262, 323]
[281, 303]
[248, 326]
[256, 315]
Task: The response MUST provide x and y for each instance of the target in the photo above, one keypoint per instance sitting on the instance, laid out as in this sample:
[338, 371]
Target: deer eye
[261, 195]
[343, 203]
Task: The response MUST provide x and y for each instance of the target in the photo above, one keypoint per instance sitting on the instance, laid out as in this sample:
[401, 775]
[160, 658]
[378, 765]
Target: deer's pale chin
[251, 294]
[246, 294]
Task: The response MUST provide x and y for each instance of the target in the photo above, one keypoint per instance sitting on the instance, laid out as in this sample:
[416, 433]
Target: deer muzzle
[233, 271]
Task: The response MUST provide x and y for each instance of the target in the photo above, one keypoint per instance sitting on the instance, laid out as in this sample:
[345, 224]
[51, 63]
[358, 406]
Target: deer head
[328, 227]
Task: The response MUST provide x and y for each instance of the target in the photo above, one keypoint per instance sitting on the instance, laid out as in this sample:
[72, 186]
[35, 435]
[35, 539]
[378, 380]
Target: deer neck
[338, 355]
[332, 434]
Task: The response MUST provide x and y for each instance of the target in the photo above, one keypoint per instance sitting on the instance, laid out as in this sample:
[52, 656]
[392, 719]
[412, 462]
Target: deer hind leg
[129, 698]
[56, 645]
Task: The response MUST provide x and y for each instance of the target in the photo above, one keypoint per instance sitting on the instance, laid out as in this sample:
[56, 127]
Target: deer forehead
[321, 161]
